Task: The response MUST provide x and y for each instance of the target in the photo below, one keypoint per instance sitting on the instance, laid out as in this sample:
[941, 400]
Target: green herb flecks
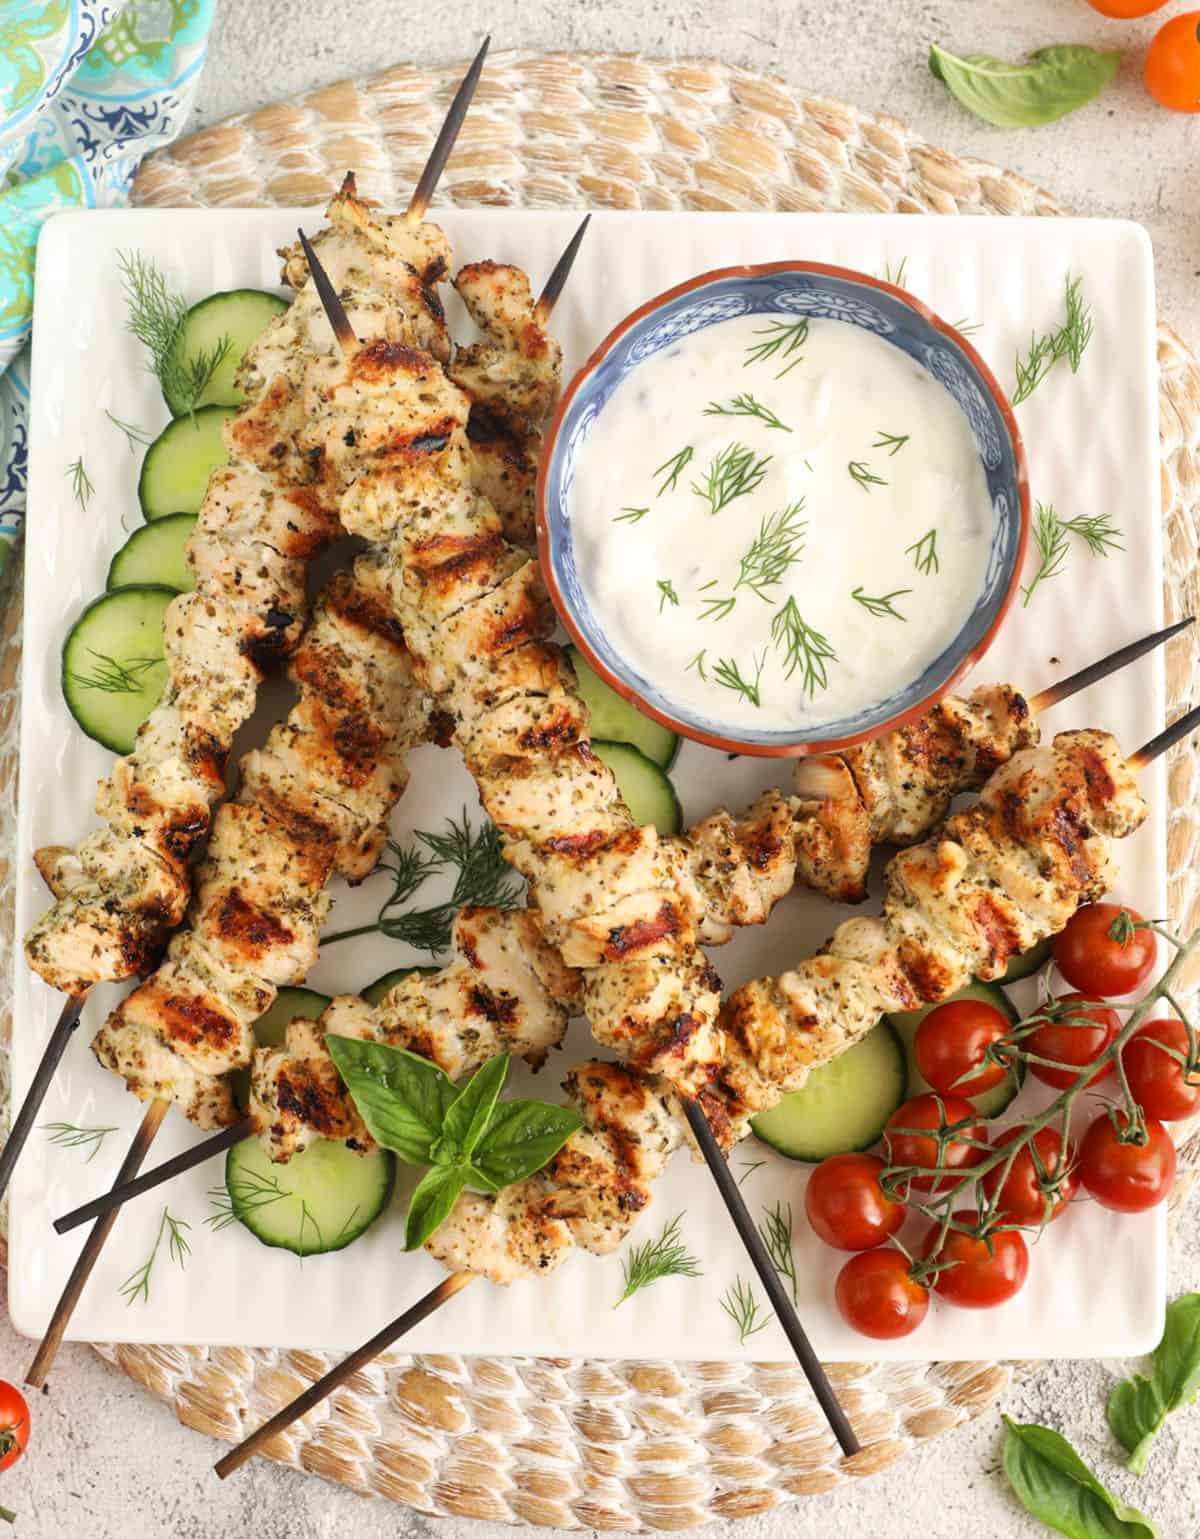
[249, 1191]
[883, 604]
[697, 663]
[1067, 341]
[716, 608]
[784, 339]
[667, 594]
[667, 1256]
[748, 1169]
[630, 515]
[864, 475]
[734, 472]
[137, 1285]
[81, 483]
[747, 1314]
[1051, 538]
[1051, 82]
[802, 647]
[776, 548]
[896, 275]
[1097, 531]
[114, 676]
[967, 326]
[924, 553]
[728, 674]
[157, 316]
[671, 469]
[892, 442]
[746, 405]
[67, 1136]
[776, 1232]
[135, 437]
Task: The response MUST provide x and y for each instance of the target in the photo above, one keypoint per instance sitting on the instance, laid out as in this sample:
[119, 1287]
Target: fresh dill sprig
[630, 515]
[1051, 538]
[744, 1310]
[883, 605]
[248, 1192]
[137, 1284]
[1097, 531]
[924, 553]
[67, 1136]
[671, 469]
[666, 592]
[777, 546]
[896, 276]
[968, 327]
[665, 1257]
[734, 472]
[136, 437]
[892, 442]
[1067, 341]
[802, 647]
[157, 317]
[748, 1169]
[728, 674]
[783, 339]
[81, 483]
[717, 608]
[697, 663]
[864, 475]
[115, 677]
[776, 1232]
[746, 405]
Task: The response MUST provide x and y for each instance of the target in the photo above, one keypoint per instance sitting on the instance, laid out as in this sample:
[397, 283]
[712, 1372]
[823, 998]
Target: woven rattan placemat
[628, 1445]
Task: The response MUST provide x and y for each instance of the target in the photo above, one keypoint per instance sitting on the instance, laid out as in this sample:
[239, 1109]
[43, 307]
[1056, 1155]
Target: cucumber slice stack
[646, 789]
[843, 1106]
[234, 319]
[615, 720]
[113, 666]
[155, 553]
[179, 462]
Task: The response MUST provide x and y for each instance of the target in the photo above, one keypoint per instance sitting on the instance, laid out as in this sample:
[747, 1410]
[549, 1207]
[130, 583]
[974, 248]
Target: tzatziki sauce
[780, 522]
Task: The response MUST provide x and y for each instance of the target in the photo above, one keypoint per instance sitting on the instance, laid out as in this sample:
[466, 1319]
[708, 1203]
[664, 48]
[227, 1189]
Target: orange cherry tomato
[1173, 63]
[1123, 10]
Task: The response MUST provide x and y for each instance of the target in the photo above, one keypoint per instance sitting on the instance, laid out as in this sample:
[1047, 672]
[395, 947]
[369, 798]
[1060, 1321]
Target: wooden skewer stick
[1166, 739]
[39, 1085]
[557, 280]
[334, 310]
[317, 1392]
[1104, 666]
[82, 1270]
[444, 143]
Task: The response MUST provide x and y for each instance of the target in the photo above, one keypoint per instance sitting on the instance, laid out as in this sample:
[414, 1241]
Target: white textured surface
[109, 1460]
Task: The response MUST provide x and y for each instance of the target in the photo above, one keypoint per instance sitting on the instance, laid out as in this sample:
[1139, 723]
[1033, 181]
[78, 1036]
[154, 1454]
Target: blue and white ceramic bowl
[818, 291]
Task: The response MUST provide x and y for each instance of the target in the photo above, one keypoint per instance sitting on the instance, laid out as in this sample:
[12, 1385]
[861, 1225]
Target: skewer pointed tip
[1101, 669]
[444, 143]
[558, 278]
[1166, 739]
[330, 303]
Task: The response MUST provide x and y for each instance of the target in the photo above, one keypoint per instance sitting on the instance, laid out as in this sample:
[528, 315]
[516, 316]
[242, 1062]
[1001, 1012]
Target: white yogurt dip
[779, 523]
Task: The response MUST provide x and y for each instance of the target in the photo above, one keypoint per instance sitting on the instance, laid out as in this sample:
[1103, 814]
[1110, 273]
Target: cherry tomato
[1089, 959]
[1173, 63]
[1124, 9]
[951, 1042]
[1023, 1199]
[1129, 1177]
[985, 1272]
[1074, 1046]
[1160, 1085]
[14, 1424]
[916, 1148]
[845, 1203]
[877, 1297]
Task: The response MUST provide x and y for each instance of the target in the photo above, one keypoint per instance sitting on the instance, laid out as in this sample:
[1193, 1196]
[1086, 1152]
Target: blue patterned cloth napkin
[87, 87]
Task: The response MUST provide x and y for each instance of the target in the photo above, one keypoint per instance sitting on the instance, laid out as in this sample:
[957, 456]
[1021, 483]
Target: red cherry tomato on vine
[1173, 63]
[876, 1296]
[14, 1424]
[1023, 1198]
[951, 1043]
[1130, 1177]
[985, 1272]
[920, 1148]
[1123, 10]
[1089, 959]
[1074, 1046]
[846, 1205]
[1160, 1083]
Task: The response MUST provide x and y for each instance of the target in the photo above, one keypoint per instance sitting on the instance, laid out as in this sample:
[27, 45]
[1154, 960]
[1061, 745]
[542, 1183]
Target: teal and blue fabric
[87, 87]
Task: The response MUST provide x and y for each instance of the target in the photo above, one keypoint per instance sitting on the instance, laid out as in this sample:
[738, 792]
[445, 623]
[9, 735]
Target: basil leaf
[1050, 83]
[520, 1139]
[436, 1193]
[403, 1099]
[472, 1111]
[1138, 1406]
[1053, 1483]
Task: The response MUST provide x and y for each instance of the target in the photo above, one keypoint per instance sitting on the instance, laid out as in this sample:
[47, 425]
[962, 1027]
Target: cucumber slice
[272, 1025]
[374, 992]
[239, 315]
[179, 462]
[905, 1022]
[614, 720]
[319, 1201]
[155, 554]
[113, 668]
[648, 792]
[843, 1105]
[1029, 961]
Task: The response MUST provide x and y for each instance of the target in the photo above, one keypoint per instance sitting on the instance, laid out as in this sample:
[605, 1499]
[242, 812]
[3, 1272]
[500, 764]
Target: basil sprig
[1049, 84]
[1053, 1483]
[1138, 1406]
[466, 1136]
